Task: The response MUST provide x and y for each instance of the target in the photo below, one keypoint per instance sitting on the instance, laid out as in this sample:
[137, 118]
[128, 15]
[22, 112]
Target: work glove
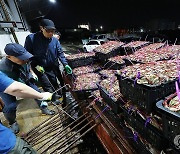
[68, 69]
[34, 76]
[40, 69]
[46, 96]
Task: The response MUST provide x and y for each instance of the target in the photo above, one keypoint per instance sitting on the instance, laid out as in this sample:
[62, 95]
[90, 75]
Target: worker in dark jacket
[47, 52]
[9, 143]
[16, 66]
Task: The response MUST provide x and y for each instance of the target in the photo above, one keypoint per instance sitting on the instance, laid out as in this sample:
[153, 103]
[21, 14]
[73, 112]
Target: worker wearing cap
[47, 51]
[16, 65]
[9, 143]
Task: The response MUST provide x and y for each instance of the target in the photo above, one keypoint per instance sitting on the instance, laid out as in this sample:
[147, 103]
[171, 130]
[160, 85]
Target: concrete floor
[28, 115]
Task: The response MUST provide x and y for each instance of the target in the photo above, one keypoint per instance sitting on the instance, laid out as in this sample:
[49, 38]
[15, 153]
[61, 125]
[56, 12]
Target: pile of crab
[108, 47]
[155, 73]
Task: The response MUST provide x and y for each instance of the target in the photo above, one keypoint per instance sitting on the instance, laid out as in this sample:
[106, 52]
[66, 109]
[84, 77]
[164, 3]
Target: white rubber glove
[35, 76]
[46, 96]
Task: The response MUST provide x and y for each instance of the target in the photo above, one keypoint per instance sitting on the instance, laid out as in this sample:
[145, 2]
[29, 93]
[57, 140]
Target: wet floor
[29, 116]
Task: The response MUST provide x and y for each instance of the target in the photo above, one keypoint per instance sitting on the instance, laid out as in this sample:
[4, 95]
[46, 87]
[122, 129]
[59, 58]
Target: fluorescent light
[52, 1]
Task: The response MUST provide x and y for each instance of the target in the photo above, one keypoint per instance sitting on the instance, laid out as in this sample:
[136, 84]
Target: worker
[16, 65]
[9, 143]
[47, 53]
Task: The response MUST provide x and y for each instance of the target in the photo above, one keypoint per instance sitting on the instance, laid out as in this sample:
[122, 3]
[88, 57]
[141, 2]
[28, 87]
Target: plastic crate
[171, 122]
[104, 57]
[110, 100]
[150, 133]
[142, 95]
[83, 94]
[135, 142]
[173, 149]
[81, 61]
[110, 115]
[130, 50]
[114, 65]
[127, 51]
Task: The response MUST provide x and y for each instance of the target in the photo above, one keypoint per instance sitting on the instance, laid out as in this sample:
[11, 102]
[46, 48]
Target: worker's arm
[28, 43]
[61, 56]
[23, 91]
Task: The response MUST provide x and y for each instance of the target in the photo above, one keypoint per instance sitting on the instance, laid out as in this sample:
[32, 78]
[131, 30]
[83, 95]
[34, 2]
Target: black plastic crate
[114, 65]
[104, 57]
[81, 61]
[83, 94]
[127, 50]
[130, 50]
[171, 124]
[135, 141]
[110, 100]
[173, 149]
[110, 115]
[142, 95]
[150, 133]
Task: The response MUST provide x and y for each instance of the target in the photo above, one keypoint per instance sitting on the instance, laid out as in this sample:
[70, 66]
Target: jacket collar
[43, 37]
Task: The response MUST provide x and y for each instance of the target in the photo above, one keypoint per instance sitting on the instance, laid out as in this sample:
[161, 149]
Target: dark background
[161, 17]
[109, 13]
[113, 13]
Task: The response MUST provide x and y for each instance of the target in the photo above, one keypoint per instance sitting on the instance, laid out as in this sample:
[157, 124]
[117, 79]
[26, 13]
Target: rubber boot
[11, 117]
[47, 111]
[43, 105]
[64, 101]
[57, 99]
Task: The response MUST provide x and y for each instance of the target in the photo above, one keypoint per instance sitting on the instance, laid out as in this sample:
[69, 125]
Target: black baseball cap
[18, 51]
[48, 24]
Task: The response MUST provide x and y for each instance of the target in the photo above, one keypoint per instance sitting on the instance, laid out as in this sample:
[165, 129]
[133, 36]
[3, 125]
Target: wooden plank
[109, 144]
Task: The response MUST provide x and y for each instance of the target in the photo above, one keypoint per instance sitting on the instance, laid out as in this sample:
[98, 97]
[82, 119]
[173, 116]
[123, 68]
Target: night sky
[113, 13]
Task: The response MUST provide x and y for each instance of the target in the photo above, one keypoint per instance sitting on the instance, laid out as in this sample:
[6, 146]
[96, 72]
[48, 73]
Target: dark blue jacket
[46, 51]
[15, 71]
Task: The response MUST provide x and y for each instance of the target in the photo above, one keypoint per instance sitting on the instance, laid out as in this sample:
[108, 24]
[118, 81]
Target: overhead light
[52, 1]
[141, 30]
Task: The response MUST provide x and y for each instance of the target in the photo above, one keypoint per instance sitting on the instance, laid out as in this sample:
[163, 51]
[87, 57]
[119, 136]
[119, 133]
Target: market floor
[28, 115]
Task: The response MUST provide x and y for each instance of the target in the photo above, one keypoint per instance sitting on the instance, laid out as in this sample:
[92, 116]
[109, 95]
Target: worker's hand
[68, 69]
[35, 77]
[40, 69]
[46, 96]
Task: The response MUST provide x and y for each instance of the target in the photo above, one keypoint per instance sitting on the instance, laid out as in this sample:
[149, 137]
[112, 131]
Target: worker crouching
[16, 65]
